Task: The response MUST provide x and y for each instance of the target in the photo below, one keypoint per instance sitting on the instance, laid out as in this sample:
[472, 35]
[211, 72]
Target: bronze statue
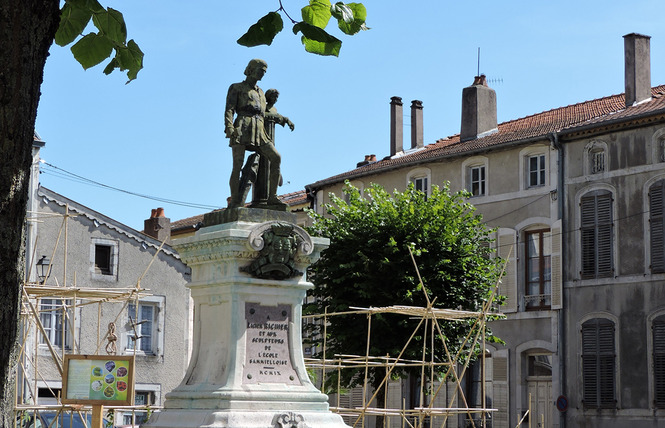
[247, 102]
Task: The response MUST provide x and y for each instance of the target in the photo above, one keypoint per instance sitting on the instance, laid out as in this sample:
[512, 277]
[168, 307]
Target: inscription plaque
[267, 357]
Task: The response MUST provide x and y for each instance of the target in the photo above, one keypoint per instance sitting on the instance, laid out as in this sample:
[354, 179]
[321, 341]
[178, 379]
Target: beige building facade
[575, 195]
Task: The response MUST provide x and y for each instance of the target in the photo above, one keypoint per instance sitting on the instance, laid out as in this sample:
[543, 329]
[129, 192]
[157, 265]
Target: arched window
[598, 364]
[421, 178]
[474, 171]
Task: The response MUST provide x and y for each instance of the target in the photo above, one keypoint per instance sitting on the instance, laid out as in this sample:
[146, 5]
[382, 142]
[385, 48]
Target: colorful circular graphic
[109, 378]
[122, 372]
[97, 371]
[121, 385]
[109, 392]
[97, 385]
[110, 365]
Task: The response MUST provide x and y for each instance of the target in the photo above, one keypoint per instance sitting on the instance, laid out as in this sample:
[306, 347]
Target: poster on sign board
[98, 379]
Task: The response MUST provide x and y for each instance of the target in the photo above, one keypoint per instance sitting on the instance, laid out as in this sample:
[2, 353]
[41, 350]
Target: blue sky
[163, 135]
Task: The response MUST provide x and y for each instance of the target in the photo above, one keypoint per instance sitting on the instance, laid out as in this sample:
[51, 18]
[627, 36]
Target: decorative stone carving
[290, 420]
[278, 244]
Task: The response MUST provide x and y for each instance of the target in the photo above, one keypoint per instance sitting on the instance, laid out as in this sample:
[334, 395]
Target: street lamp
[43, 266]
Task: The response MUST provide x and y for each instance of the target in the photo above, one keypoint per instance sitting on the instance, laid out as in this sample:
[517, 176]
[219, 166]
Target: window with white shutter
[596, 235]
[658, 331]
[598, 364]
[657, 226]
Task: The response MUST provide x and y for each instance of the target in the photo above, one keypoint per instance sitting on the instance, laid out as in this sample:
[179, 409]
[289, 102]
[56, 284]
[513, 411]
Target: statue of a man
[247, 102]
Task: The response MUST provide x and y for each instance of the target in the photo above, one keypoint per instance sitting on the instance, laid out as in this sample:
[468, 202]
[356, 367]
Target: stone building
[576, 196]
[88, 253]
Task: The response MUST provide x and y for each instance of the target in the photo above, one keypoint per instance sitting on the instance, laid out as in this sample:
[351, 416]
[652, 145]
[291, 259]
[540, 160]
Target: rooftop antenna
[497, 80]
[478, 74]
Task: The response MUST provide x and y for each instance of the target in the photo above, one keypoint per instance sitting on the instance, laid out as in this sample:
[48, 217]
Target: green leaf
[317, 41]
[91, 5]
[111, 24]
[317, 13]
[263, 32]
[358, 23]
[342, 12]
[73, 21]
[131, 59]
[127, 58]
[112, 65]
[92, 49]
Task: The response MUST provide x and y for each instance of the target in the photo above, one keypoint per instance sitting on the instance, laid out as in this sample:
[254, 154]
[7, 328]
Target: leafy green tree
[27, 30]
[315, 18]
[368, 264]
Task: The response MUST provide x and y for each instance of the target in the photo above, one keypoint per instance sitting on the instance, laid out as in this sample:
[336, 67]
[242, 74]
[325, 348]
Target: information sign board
[98, 379]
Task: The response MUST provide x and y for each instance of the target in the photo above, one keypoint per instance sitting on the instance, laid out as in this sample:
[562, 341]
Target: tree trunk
[27, 28]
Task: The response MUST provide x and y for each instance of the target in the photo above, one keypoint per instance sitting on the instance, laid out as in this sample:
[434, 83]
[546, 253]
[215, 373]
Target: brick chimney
[158, 225]
[478, 110]
[396, 126]
[416, 124]
[637, 57]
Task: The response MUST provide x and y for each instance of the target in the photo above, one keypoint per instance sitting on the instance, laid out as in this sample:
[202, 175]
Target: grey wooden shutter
[507, 250]
[658, 330]
[557, 269]
[604, 240]
[598, 365]
[596, 235]
[500, 392]
[657, 227]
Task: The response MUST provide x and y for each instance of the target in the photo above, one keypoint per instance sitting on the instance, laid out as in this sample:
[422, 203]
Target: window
[141, 325]
[477, 180]
[598, 364]
[420, 184]
[104, 259]
[539, 366]
[658, 331]
[657, 226]
[595, 154]
[144, 328]
[597, 158]
[55, 318]
[596, 232]
[141, 398]
[536, 171]
[420, 178]
[538, 252]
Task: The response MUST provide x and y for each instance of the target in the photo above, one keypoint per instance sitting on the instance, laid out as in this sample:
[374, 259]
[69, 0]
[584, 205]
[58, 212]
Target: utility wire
[67, 175]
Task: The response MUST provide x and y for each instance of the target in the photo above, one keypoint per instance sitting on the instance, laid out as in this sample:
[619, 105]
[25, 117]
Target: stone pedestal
[247, 368]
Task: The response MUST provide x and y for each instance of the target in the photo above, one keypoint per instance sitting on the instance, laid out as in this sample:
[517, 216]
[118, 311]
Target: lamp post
[43, 266]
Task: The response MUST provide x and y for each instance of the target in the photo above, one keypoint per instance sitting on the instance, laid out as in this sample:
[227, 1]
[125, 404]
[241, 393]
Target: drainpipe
[561, 337]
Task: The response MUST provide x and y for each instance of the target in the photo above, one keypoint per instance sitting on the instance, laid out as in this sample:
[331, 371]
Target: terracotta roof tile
[294, 198]
[291, 199]
[186, 223]
[563, 119]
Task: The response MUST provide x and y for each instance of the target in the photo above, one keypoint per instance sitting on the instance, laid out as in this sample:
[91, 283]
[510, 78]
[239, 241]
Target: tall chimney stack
[396, 126]
[417, 124]
[158, 225]
[637, 56]
[478, 110]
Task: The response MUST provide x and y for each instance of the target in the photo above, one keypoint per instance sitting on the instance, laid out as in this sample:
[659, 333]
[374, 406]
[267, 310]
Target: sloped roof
[290, 199]
[95, 216]
[564, 120]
